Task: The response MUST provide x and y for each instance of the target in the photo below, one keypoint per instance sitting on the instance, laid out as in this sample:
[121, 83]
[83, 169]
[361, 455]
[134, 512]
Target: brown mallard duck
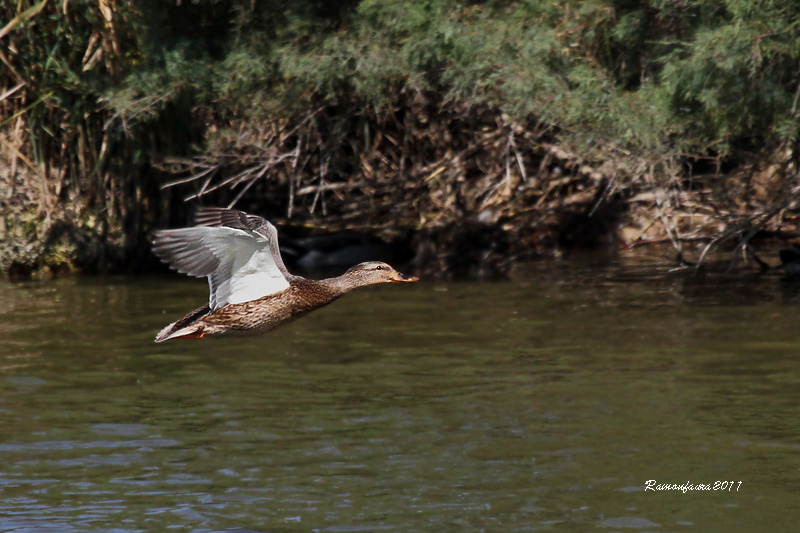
[250, 289]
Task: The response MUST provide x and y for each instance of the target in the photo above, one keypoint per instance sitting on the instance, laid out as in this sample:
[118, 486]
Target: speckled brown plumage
[262, 315]
[231, 248]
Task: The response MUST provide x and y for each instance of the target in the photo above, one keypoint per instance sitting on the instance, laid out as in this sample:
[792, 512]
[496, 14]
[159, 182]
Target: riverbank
[438, 225]
[469, 136]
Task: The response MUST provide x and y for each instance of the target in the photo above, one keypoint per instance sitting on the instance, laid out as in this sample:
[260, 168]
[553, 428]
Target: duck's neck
[339, 285]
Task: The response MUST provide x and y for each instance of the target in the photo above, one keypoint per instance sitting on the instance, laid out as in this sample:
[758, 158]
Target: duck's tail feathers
[186, 327]
[190, 332]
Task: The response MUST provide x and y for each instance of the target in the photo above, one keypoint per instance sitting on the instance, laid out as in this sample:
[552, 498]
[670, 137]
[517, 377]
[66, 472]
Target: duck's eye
[380, 267]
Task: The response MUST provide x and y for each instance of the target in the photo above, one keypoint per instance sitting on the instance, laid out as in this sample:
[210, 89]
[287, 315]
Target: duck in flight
[251, 291]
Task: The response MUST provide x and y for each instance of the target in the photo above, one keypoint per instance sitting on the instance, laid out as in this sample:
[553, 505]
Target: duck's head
[373, 272]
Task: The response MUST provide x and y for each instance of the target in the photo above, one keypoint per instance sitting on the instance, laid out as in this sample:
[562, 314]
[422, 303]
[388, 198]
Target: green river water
[541, 404]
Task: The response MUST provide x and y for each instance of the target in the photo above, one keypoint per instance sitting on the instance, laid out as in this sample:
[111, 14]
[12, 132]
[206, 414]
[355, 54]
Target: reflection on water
[540, 404]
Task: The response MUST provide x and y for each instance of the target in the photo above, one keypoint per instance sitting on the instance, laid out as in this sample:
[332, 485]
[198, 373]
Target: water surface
[542, 404]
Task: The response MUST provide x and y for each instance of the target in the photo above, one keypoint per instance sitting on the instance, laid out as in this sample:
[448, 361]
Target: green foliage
[656, 76]
[694, 77]
[101, 90]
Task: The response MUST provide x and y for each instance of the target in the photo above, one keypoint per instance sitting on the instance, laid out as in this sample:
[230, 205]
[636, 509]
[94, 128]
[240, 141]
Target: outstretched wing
[237, 252]
[231, 218]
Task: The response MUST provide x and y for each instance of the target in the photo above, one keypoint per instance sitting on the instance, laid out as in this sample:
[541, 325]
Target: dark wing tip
[208, 216]
[231, 218]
